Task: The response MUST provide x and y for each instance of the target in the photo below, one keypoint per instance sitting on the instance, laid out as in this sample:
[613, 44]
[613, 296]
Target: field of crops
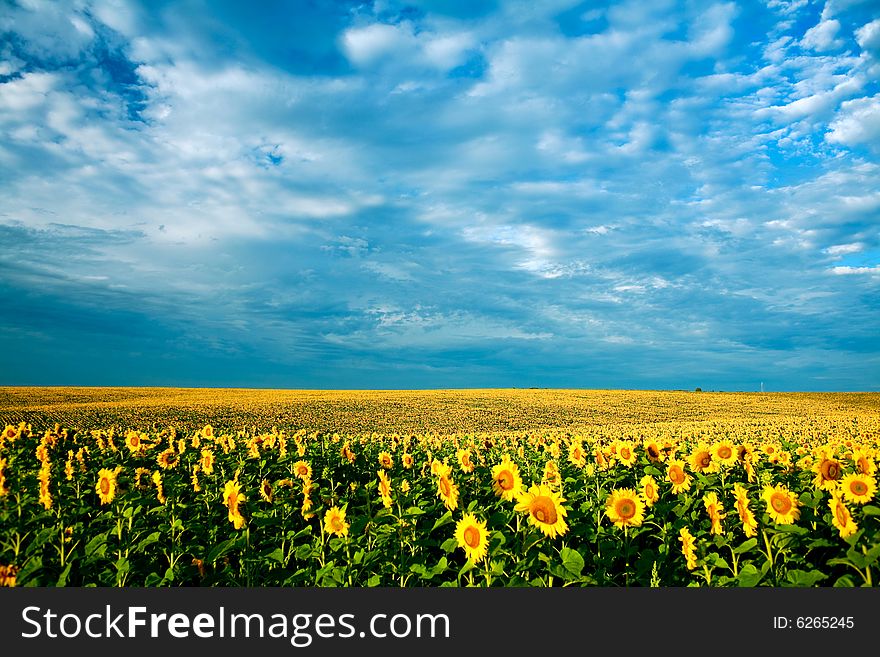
[137, 487]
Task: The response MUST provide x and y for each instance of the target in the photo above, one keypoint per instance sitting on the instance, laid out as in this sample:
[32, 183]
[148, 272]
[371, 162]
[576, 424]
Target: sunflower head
[334, 522]
[506, 482]
[106, 486]
[545, 510]
[782, 505]
[472, 537]
[841, 517]
[858, 488]
[625, 508]
[385, 460]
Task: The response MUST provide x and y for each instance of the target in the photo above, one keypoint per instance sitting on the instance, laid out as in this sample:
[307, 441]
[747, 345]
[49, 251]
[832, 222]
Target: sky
[441, 194]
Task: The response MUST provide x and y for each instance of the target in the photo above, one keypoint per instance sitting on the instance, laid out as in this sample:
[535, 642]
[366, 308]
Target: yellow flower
[858, 488]
[649, 490]
[302, 470]
[625, 508]
[266, 490]
[106, 486]
[680, 480]
[863, 462]
[407, 460]
[464, 460]
[160, 491]
[168, 459]
[334, 522]
[384, 489]
[841, 518]
[448, 492]
[828, 472]
[472, 537]
[506, 482]
[207, 461]
[715, 511]
[576, 455]
[626, 453]
[232, 499]
[701, 460]
[723, 451]
[782, 506]
[545, 510]
[688, 547]
[385, 460]
[8, 573]
[750, 524]
[653, 450]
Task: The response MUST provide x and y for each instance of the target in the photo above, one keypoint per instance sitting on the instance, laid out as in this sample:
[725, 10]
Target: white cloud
[857, 122]
[839, 250]
[868, 35]
[821, 37]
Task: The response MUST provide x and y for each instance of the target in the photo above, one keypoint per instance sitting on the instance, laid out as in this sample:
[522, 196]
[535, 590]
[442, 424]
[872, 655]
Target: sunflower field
[765, 500]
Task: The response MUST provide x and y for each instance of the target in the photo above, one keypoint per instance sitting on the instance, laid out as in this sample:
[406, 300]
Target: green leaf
[749, 575]
[62, 579]
[445, 519]
[746, 546]
[805, 578]
[276, 555]
[375, 580]
[572, 561]
[871, 510]
[449, 545]
[149, 540]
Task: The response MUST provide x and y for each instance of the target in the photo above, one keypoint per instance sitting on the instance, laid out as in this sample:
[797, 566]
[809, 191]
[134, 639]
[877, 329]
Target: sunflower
[464, 460]
[626, 454]
[266, 490]
[4, 489]
[142, 478]
[841, 518]
[208, 431]
[346, 453]
[506, 481]
[232, 499]
[625, 508]
[782, 505]
[472, 537]
[750, 525]
[106, 486]
[828, 471]
[10, 433]
[168, 459]
[134, 442]
[715, 511]
[602, 461]
[653, 450]
[8, 574]
[724, 452]
[384, 488]
[194, 479]
[302, 470]
[701, 460]
[576, 455]
[551, 476]
[307, 499]
[649, 490]
[680, 480]
[334, 522]
[385, 460]
[440, 469]
[407, 460]
[858, 488]
[863, 462]
[448, 492]
[545, 510]
[160, 491]
[207, 461]
[688, 547]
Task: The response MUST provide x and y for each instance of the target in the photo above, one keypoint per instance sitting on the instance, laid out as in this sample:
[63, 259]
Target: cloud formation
[424, 194]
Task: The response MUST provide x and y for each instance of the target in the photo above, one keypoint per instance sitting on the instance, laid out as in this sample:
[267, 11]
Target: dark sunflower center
[780, 503]
[505, 480]
[445, 488]
[544, 510]
[704, 459]
[858, 488]
[841, 513]
[105, 485]
[626, 509]
[472, 537]
[724, 452]
[653, 452]
[830, 470]
[676, 475]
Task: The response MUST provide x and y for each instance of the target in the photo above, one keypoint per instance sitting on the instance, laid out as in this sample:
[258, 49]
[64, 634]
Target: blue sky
[441, 194]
